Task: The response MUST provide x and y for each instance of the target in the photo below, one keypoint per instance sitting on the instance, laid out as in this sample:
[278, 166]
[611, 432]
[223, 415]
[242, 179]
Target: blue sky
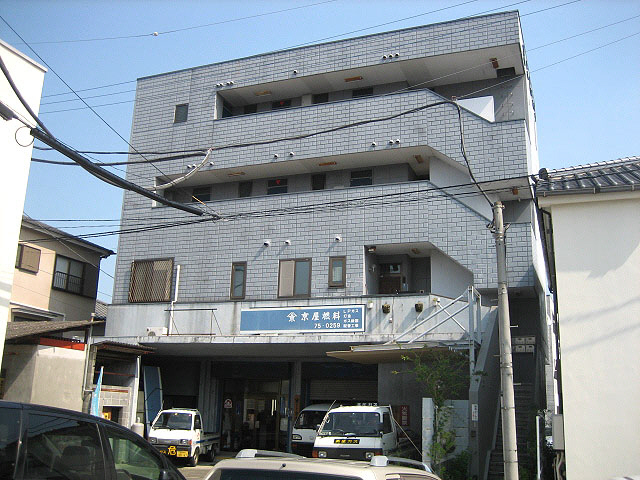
[587, 107]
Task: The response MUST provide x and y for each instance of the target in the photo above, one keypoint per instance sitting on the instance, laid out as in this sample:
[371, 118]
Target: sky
[583, 55]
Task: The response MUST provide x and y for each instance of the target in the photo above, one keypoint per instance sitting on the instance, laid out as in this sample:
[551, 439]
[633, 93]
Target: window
[253, 108]
[361, 177]
[151, 280]
[281, 104]
[181, 113]
[238, 280]
[337, 271]
[277, 185]
[28, 258]
[362, 92]
[294, 278]
[506, 72]
[318, 181]
[132, 457]
[320, 98]
[69, 275]
[59, 447]
[227, 109]
[9, 437]
[244, 189]
[201, 193]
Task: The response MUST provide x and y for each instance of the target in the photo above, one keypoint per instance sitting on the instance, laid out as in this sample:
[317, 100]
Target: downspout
[175, 299]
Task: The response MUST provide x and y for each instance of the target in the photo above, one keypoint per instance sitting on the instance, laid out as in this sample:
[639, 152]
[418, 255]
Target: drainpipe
[175, 299]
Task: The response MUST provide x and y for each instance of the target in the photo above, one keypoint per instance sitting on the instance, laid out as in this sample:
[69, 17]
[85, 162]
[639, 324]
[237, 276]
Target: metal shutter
[355, 390]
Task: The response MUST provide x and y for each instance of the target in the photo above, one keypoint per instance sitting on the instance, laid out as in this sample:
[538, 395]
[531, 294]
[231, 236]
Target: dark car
[39, 442]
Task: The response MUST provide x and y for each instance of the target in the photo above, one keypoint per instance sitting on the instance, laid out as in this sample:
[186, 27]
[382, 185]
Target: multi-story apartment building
[339, 211]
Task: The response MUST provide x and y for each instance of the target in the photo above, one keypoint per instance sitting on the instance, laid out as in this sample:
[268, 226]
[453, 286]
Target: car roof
[60, 411]
[380, 467]
[361, 408]
[313, 465]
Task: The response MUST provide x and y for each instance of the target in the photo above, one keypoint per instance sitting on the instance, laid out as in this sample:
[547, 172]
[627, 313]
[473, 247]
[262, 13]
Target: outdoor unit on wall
[156, 331]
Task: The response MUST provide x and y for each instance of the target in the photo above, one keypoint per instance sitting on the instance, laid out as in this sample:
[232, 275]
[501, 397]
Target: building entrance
[252, 413]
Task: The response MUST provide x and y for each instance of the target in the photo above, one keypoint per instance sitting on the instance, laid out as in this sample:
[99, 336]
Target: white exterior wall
[15, 167]
[597, 254]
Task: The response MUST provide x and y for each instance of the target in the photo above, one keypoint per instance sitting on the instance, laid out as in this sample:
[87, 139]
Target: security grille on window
[361, 177]
[277, 185]
[294, 278]
[238, 280]
[28, 258]
[181, 112]
[337, 271]
[151, 280]
[68, 275]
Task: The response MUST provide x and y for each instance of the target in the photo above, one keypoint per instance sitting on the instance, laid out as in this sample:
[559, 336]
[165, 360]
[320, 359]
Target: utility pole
[508, 404]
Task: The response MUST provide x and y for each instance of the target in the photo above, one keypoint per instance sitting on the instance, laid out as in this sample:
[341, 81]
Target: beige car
[253, 464]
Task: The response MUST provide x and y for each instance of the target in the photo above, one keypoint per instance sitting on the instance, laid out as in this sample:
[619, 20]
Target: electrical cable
[85, 163]
[166, 32]
[412, 87]
[362, 29]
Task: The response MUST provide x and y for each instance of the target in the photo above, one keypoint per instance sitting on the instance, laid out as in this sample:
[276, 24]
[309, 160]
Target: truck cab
[305, 428]
[179, 433]
[356, 433]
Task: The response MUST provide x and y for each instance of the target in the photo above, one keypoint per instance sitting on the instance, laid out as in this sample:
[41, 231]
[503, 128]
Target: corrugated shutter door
[356, 390]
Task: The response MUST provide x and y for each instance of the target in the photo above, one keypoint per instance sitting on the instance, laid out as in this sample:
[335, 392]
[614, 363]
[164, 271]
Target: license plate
[182, 454]
[350, 441]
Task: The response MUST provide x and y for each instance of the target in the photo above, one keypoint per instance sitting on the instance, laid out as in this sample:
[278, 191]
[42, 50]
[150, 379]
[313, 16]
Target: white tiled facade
[440, 237]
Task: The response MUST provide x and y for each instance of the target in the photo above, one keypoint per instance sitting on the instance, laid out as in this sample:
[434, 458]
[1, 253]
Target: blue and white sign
[332, 318]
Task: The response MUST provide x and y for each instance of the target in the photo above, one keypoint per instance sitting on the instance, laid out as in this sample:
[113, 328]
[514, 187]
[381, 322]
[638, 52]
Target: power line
[381, 49]
[166, 32]
[347, 33]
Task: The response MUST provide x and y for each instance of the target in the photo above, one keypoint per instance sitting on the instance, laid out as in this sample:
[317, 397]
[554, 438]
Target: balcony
[432, 130]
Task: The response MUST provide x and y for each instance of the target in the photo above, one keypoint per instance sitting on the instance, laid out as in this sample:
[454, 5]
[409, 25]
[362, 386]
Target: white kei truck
[356, 433]
[178, 434]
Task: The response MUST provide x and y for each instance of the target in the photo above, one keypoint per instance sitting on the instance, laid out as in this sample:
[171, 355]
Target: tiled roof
[23, 329]
[616, 175]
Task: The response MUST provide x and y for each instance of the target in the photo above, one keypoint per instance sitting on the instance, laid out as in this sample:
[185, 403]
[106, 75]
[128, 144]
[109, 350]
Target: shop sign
[404, 415]
[343, 318]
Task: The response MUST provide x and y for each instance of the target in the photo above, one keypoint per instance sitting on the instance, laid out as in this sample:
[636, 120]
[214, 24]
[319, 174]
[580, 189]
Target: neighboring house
[15, 148]
[344, 239]
[591, 218]
[52, 305]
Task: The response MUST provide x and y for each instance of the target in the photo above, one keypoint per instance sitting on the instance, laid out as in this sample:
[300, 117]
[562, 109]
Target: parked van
[356, 433]
[306, 427]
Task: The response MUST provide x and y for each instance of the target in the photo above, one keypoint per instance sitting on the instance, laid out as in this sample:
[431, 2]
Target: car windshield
[173, 421]
[362, 424]
[310, 419]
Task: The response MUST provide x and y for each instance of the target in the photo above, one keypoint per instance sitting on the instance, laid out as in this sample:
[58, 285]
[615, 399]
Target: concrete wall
[448, 278]
[597, 256]
[34, 375]
[29, 76]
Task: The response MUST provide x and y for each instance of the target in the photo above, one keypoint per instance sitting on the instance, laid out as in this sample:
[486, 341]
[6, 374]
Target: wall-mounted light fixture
[390, 142]
[267, 243]
[373, 144]
[494, 63]
[397, 140]
[419, 307]
[386, 308]
[287, 242]
[371, 248]
[338, 238]
[291, 154]
[275, 155]
[295, 72]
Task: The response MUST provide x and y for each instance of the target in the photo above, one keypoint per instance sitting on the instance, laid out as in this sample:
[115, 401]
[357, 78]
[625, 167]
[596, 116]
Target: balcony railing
[67, 282]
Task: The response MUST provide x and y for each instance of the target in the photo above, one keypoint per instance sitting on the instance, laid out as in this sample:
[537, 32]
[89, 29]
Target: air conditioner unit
[156, 331]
